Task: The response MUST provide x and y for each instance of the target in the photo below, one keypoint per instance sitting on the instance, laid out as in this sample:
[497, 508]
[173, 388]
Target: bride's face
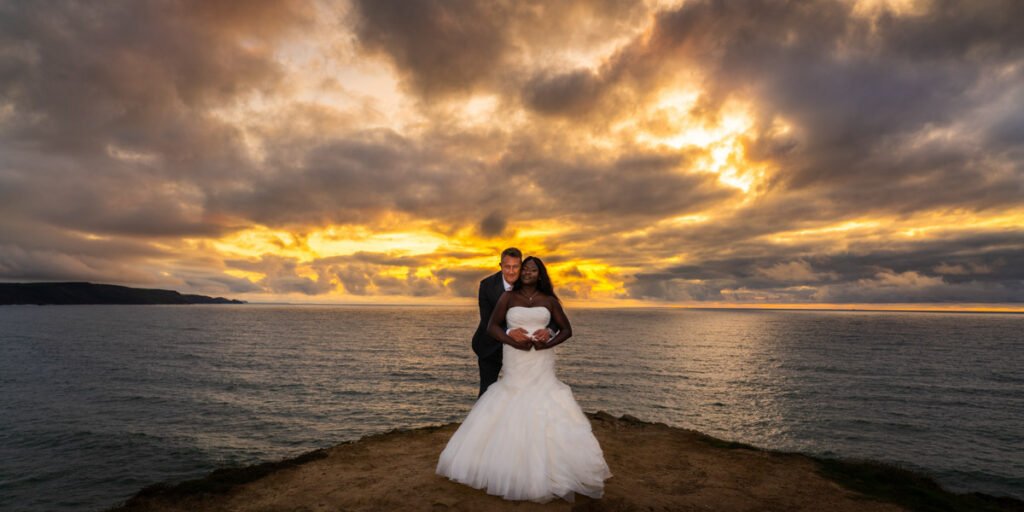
[529, 273]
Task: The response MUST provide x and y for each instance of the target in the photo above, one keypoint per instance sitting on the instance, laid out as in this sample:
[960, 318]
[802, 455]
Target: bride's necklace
[530, 298]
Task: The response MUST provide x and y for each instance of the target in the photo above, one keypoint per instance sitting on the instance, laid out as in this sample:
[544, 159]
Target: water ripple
[100, 401]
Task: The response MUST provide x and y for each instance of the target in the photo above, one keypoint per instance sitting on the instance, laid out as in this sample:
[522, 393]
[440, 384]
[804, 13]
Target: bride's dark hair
[543, 281]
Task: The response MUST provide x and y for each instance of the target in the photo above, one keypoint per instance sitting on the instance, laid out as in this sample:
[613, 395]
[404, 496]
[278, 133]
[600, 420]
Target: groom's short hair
[512, 251]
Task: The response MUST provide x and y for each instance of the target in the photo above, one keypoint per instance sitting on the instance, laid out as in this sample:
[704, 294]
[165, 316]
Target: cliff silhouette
[90, 293]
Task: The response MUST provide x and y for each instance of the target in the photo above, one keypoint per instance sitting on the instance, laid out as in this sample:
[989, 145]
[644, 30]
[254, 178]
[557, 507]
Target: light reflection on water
[106, 399]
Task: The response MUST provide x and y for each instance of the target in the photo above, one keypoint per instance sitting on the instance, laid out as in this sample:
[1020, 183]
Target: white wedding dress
[526, 438]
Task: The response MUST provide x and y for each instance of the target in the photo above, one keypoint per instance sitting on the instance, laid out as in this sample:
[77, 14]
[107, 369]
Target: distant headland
[91, 293]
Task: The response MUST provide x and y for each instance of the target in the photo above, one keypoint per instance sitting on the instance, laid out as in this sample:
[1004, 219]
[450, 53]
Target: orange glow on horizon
[400, 255]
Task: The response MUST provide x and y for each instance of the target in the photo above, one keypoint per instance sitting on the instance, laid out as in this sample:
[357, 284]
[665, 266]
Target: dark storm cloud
[973, 268]
[574, 92]
[38, 251]
[443, 48]
[464, 282]
[32, 250]
[108, 128]
[209, 282]
[355, 179]
[973, 30]
[281, 275]
[97, 195]
[623, 191]
[493, 224]
[139, 75]
[37, 236]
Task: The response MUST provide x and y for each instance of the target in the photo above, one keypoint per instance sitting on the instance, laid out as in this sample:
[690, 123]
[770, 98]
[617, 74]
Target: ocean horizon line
[837, 308]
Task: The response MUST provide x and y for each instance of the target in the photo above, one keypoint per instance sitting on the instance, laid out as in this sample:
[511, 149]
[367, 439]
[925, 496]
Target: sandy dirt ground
[654, 466]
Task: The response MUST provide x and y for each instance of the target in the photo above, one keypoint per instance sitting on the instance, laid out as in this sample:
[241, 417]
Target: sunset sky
[695, 153]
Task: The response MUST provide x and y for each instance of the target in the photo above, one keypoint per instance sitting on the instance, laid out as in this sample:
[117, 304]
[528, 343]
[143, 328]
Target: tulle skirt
[526, 438]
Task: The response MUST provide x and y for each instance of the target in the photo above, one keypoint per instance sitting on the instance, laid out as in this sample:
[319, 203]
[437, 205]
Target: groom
[488, 350]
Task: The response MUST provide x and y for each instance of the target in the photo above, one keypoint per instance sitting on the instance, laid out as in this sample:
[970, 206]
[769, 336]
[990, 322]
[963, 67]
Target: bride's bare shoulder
[550, 302]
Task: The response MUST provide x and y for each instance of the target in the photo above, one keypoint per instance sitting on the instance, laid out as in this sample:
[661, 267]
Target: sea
[99, 401]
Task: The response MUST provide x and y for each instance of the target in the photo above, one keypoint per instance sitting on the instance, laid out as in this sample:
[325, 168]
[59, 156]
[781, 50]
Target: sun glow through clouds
[659, 153]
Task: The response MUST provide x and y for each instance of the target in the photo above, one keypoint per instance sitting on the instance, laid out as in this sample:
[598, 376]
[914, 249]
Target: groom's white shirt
[508, 288]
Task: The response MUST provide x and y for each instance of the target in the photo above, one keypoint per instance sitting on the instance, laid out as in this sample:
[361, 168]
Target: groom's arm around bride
[487, 349]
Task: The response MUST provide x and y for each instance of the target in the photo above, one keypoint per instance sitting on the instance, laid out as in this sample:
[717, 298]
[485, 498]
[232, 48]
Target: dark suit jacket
[491, 289]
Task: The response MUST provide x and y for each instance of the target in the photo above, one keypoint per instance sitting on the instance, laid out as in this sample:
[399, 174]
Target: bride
[526, 438]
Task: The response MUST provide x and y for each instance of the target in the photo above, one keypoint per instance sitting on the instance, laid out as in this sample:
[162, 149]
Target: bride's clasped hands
[526, 341]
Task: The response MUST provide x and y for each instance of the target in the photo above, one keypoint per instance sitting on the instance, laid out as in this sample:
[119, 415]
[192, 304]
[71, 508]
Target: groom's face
[510, 266]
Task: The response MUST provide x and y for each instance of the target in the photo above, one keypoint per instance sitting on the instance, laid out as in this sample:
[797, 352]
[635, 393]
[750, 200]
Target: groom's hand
[542, 335]
[519, 334]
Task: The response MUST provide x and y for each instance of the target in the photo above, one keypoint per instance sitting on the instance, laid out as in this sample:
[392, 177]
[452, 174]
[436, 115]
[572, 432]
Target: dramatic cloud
[764, 152]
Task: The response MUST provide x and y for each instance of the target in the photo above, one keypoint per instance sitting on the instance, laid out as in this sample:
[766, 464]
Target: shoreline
[654, 466]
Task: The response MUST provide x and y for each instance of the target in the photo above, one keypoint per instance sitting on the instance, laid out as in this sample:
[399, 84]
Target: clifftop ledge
[655, 467]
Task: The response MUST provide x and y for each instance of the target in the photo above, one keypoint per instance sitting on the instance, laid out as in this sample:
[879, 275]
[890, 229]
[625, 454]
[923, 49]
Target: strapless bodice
[529, 318]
